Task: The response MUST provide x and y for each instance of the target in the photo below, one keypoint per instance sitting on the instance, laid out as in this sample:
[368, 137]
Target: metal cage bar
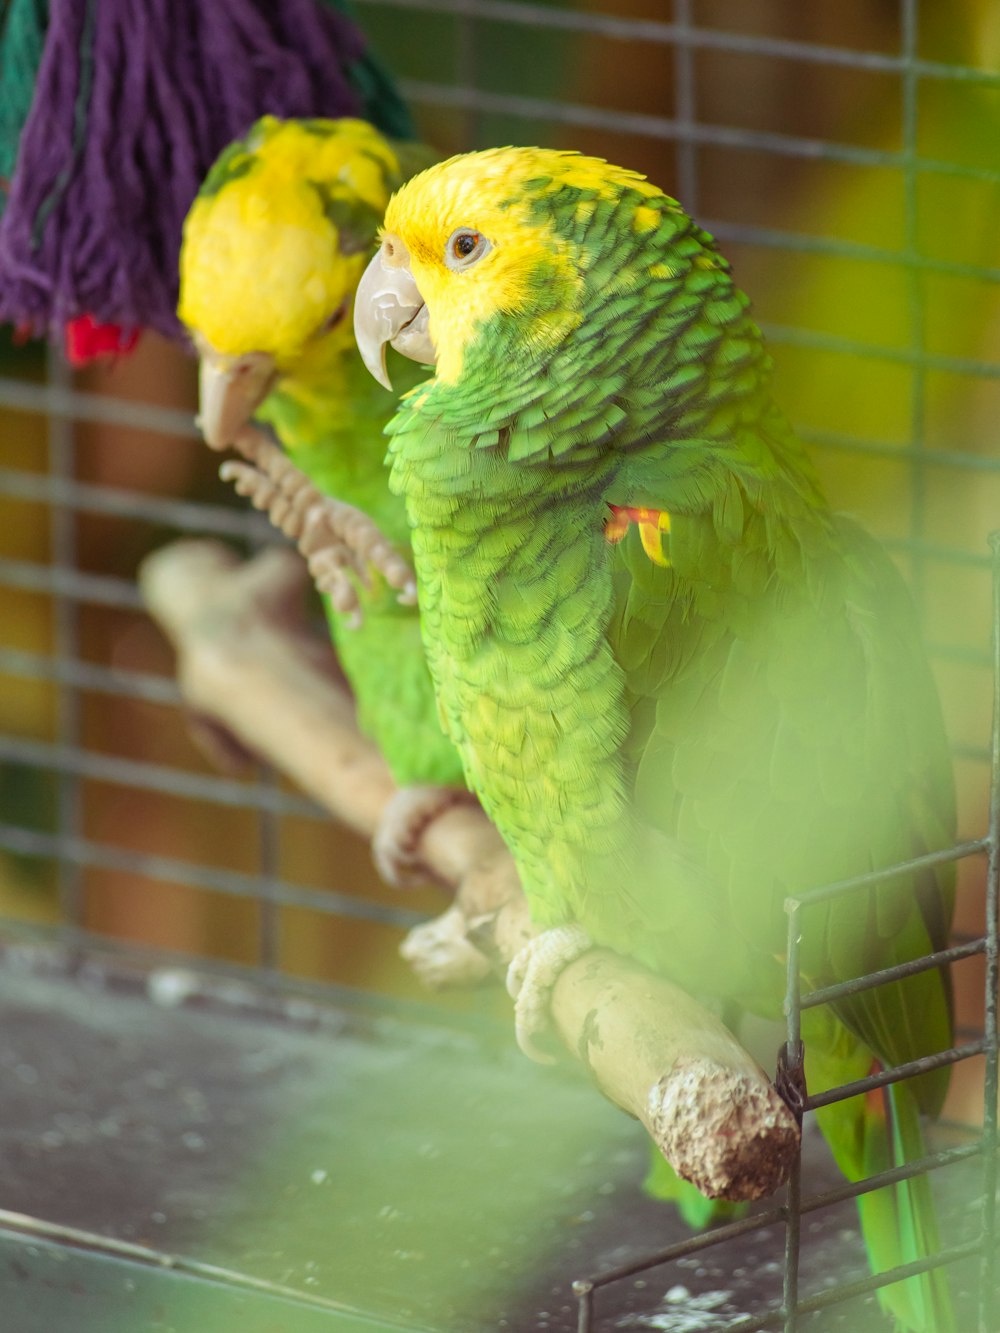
[987, 1275]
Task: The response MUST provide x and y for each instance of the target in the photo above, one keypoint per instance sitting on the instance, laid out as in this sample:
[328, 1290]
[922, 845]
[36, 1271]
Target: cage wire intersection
[70, 590]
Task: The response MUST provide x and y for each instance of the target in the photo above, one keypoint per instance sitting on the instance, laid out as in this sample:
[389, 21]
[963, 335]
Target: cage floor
[182, 1153]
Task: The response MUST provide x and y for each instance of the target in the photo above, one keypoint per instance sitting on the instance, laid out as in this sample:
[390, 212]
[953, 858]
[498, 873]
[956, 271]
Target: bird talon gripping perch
[410, 812]
[531, 976]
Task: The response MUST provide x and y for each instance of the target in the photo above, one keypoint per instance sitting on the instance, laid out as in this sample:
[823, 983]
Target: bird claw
[531, 976]
[342, 544]
[405, 819]
[442, 954]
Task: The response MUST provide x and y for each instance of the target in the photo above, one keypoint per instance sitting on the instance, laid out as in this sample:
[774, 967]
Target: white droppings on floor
[684, 1313]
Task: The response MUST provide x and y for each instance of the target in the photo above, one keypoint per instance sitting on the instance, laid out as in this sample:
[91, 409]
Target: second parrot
[274, 247]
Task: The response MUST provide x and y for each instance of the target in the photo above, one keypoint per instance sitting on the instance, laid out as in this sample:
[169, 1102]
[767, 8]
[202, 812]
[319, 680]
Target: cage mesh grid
[465, 102]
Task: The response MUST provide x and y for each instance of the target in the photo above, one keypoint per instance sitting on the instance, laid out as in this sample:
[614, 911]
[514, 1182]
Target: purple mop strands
[134, 101]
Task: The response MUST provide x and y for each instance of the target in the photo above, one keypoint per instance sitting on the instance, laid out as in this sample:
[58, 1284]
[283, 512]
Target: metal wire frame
[683, 35]
[69, 587]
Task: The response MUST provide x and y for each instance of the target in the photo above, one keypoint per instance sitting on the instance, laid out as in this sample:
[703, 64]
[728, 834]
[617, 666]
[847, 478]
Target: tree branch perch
[247, 660]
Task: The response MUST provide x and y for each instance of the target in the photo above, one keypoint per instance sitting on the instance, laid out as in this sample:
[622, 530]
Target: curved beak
[388, 308]
[230, 389]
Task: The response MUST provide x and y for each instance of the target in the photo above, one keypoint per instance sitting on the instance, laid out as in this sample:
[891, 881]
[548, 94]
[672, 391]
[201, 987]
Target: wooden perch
[247, 661]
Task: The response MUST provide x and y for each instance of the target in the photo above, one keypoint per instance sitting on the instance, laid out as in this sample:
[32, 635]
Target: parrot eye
[465, 247]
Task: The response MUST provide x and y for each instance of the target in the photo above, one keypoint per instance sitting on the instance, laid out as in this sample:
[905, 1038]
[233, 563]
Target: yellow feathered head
[487, 233]
[274, 246]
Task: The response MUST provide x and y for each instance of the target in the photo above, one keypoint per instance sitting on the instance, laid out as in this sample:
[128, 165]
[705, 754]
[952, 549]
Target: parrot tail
[898, 1222]
[698, 1211]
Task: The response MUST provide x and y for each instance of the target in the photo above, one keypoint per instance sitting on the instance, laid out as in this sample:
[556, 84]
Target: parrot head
[274, 246]
[510, 237]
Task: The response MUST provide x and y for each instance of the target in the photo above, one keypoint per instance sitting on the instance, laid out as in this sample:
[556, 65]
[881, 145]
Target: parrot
[682, 686]
[273, 248]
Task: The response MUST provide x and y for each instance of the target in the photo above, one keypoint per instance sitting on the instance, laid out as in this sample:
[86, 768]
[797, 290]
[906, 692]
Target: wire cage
[846, 162]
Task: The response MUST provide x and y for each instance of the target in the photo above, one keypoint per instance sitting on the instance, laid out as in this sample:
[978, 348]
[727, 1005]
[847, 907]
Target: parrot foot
[342, 545]
[405, 819]
[442, 955]
[337, 537]
[533, 972]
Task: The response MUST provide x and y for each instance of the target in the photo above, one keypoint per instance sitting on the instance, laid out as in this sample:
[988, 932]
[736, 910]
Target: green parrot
[274, 246]
[682, 687]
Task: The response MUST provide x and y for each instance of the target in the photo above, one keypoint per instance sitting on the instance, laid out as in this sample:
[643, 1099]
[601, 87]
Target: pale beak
[388, 308]
[230, 389]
